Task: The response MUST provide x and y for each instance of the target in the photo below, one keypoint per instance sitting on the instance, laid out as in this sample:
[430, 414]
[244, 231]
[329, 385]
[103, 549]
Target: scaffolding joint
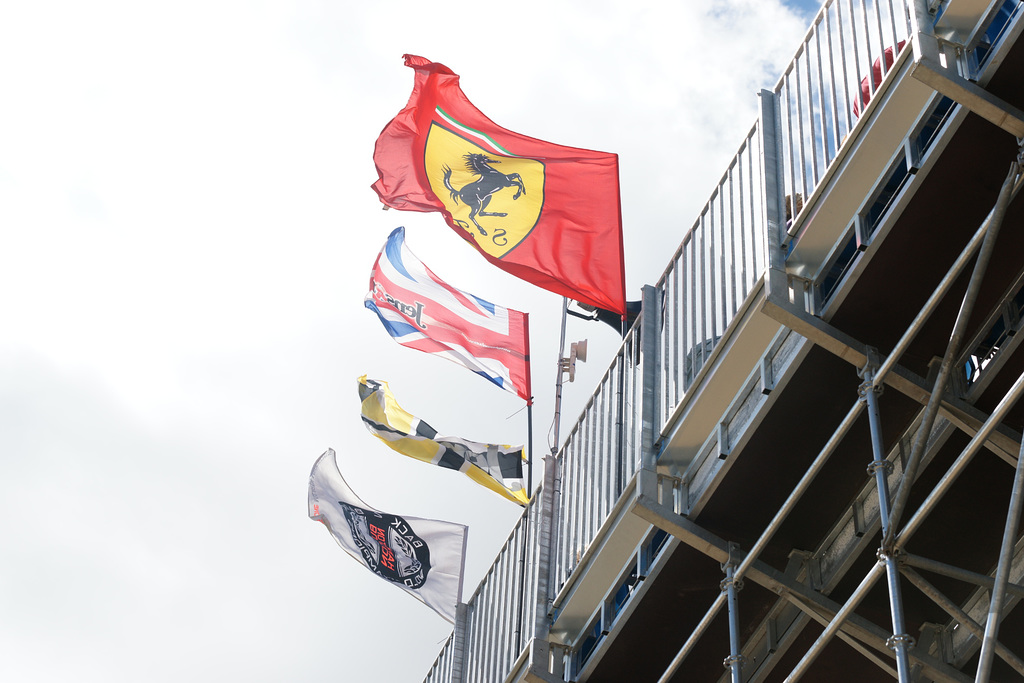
[876, 465]
[891, 552]
[729, 567]
[900, 639]
[734, 659]
[730, 582]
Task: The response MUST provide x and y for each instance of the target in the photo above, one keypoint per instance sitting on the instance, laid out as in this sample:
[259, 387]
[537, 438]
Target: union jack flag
[422, 312]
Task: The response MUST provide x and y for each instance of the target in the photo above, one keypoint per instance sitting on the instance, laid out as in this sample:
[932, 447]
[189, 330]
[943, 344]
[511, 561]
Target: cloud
[188, 232]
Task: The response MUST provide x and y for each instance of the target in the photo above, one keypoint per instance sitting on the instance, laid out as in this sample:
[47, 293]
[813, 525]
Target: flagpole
[529, 440]
[529, 408]
[462, 567]
[558, 380]
[546, 533]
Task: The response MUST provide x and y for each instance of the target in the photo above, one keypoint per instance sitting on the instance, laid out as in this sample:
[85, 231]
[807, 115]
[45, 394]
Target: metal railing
[831, 80]
[500, 615]
[442, 670]
[718, 263]
[599, 458]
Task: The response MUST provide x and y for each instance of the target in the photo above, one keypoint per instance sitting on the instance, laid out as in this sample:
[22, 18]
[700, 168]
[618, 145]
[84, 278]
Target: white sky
[186, 233]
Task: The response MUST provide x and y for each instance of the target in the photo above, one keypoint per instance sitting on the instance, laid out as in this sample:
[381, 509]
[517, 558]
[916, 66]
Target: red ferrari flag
[546, 213]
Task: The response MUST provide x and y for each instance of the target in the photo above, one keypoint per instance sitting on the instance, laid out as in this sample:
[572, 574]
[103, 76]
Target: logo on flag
[496, 198]
[422, 312]
[423, 557]
[545, 213]
[390, 548]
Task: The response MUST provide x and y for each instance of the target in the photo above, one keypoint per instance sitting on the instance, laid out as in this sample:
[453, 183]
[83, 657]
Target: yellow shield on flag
[495, 198]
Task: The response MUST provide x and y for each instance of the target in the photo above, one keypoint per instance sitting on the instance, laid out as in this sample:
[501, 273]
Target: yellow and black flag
[497, 467]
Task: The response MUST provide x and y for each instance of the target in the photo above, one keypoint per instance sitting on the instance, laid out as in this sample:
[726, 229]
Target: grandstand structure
[804, 460]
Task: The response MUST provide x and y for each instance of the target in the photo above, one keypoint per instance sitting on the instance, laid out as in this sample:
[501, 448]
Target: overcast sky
[187, 233]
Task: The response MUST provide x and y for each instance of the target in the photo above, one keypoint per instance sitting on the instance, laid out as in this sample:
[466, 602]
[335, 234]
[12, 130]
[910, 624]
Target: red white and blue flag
[422, 312]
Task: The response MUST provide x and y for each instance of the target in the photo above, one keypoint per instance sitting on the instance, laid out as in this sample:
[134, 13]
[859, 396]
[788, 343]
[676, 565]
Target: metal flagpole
[546, 533]
[529, 409]
[525, 525]
[529, 452]
[558, 380]
[550, 462]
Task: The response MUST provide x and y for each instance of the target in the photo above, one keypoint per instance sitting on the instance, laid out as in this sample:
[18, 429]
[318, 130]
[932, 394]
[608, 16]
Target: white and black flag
[424, 557]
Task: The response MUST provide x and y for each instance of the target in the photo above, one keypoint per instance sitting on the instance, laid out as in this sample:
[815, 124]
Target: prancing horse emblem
[477, 194]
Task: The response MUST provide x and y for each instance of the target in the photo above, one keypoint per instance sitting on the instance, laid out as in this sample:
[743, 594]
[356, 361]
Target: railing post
[650, 335]
[537, 666]
[459, 644]
[546, 539]
[943, 76]
[774, 179]
[926, 45]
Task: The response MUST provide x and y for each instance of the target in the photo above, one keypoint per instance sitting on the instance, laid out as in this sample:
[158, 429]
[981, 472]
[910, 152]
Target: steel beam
[936, 567]
[971, 95]
[1003, 441]
[928, 69]
[714, 547]
[964, 619]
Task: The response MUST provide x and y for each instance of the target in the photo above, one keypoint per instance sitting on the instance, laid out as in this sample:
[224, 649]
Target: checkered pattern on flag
[422, 312]
[497, 467]
[423, 557]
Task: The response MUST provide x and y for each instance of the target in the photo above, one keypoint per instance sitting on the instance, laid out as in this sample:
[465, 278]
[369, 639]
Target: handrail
[830, 82]
[717, 264]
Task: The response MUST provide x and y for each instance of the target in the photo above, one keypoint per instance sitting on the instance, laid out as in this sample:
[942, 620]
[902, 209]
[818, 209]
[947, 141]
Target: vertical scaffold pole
[731, 586]
[880, 468]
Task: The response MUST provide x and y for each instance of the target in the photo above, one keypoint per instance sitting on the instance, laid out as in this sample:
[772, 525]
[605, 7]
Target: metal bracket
[729, 661]
[544, 656]
[929, 70]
